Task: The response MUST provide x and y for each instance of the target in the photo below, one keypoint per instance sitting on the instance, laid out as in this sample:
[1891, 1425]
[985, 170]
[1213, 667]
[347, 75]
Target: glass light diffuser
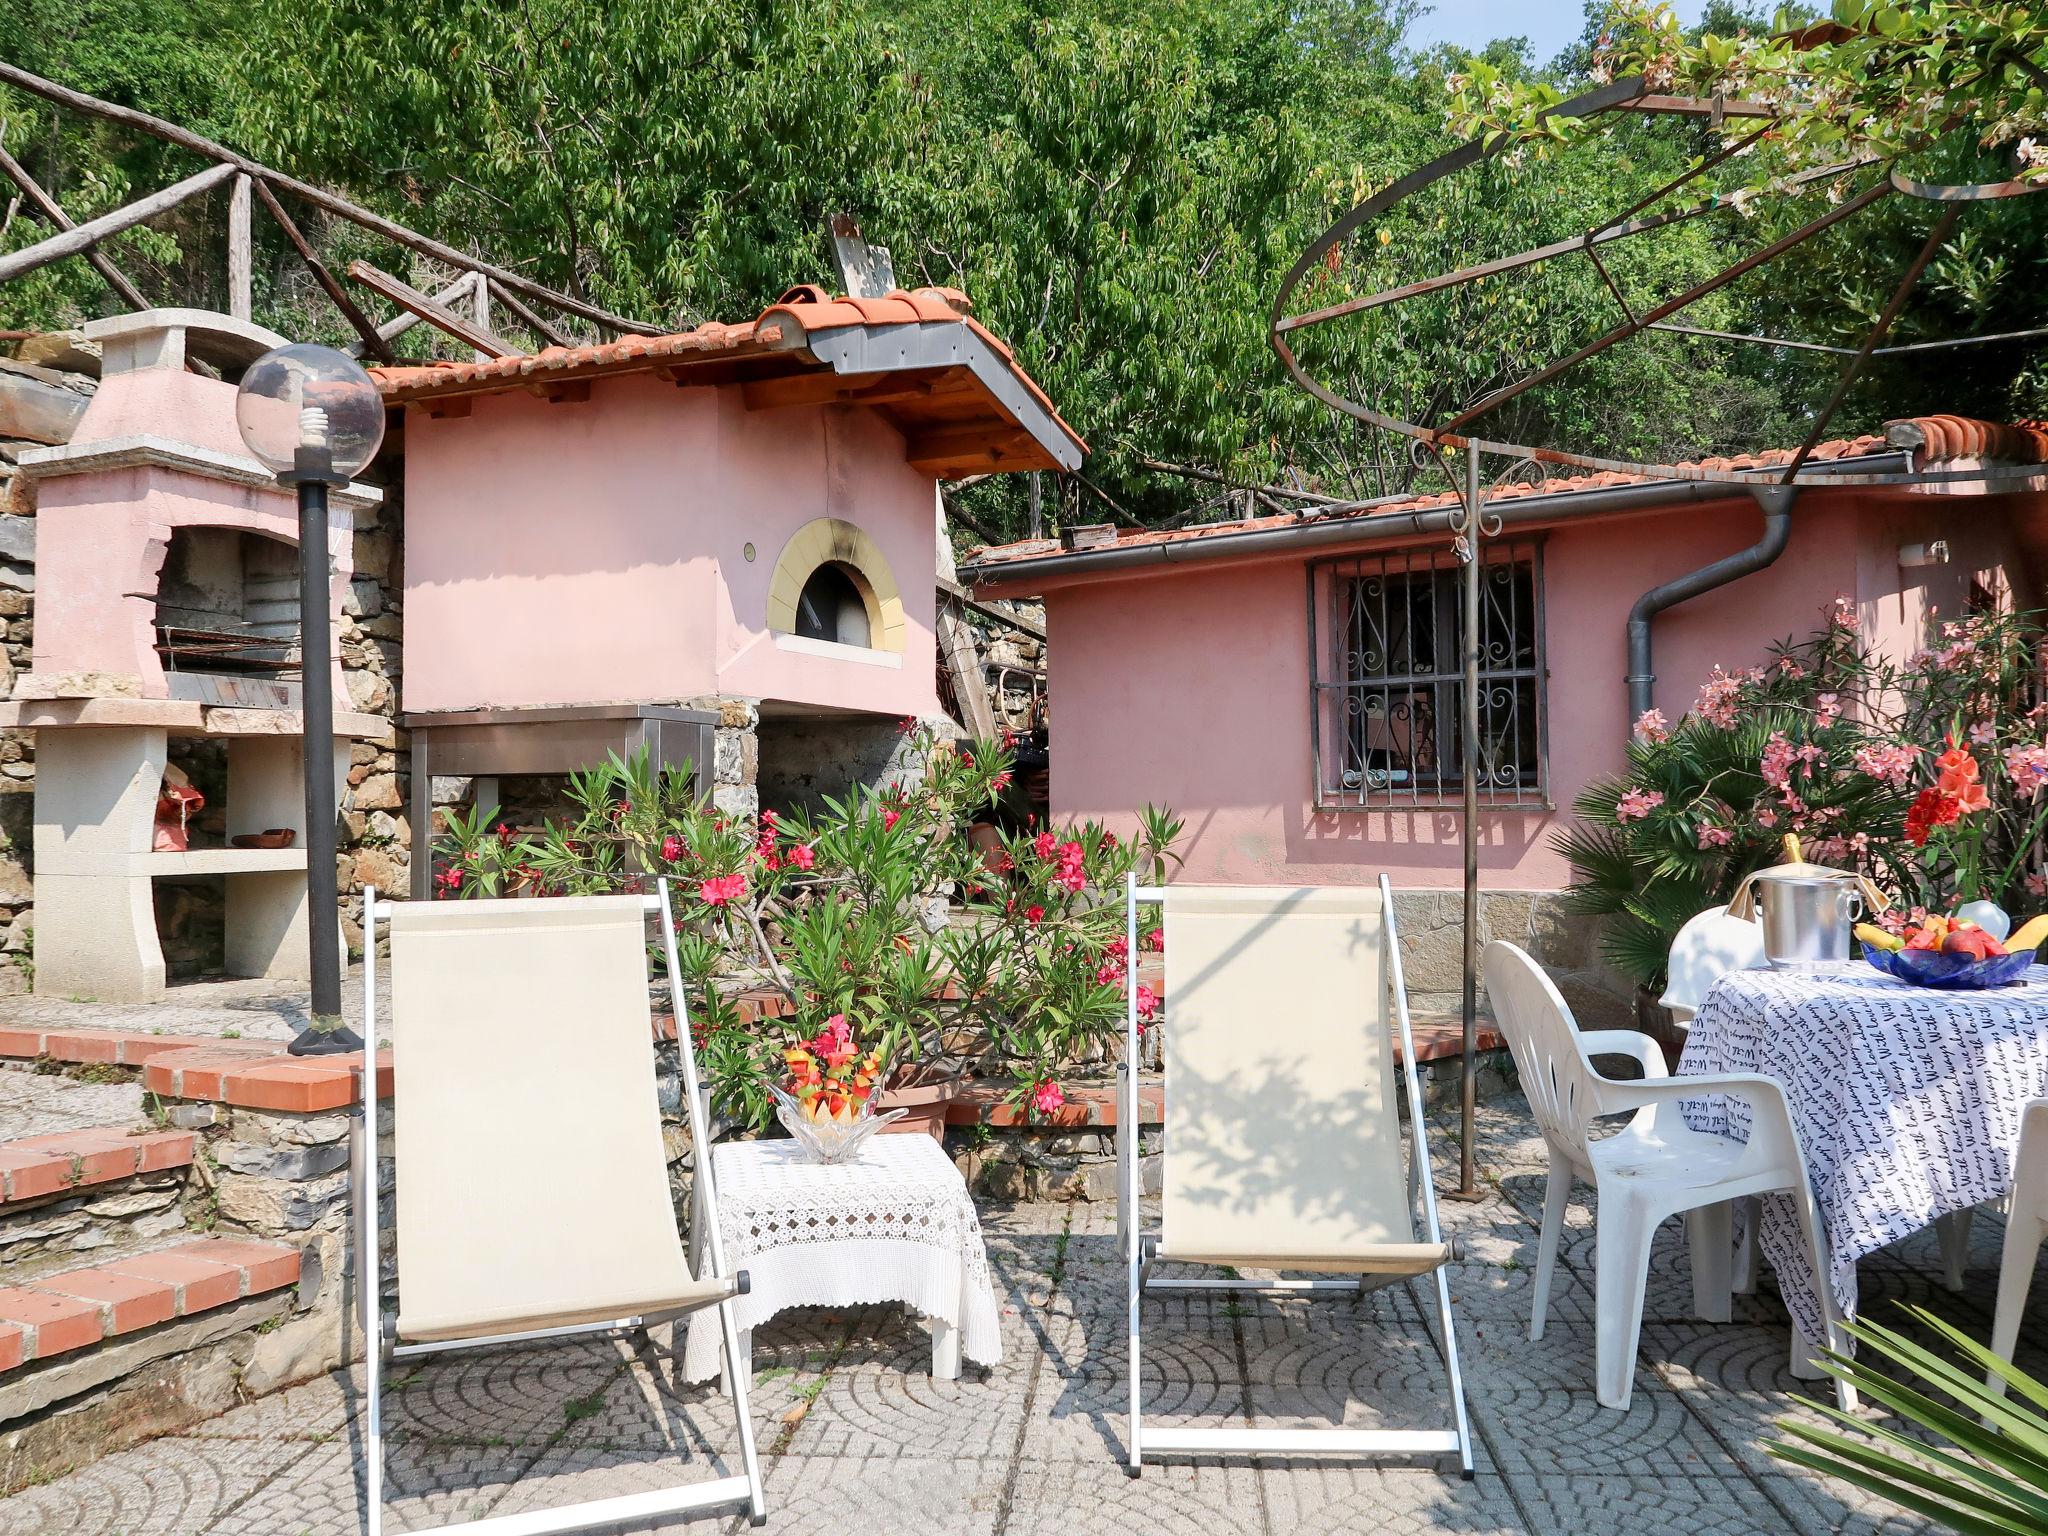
[309, 412]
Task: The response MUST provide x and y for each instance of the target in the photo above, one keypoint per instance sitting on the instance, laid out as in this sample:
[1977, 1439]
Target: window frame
[1336, 677]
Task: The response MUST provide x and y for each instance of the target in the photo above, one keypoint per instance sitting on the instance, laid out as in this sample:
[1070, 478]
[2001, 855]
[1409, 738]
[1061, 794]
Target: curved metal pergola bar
[1461, 429]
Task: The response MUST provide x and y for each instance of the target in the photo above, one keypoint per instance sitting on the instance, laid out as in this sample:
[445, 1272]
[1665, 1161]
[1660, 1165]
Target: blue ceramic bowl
[1932, 968]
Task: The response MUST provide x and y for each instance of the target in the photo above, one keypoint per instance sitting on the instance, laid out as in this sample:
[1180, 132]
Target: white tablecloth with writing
[893, 1224]
[1907, 1102]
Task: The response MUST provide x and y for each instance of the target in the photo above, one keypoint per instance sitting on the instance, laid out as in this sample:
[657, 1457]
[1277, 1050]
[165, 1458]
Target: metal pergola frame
[1458, 431]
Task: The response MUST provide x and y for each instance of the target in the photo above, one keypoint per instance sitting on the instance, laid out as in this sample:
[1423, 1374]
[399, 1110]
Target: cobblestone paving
[856, 1436]
[254, 1009]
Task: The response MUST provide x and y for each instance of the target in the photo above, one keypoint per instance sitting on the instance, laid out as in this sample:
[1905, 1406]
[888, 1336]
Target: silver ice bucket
[1806, 918]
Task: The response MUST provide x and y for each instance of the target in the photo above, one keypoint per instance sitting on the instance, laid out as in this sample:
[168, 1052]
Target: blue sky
[1548, 24]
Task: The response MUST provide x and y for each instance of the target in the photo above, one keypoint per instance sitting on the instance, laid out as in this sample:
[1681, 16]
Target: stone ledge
[77, 1308]
[104, 1047]
[264, 1078]
[38, 1166]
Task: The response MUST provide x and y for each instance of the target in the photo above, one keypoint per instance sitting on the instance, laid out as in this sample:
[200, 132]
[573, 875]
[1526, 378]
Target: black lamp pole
[324, 1034]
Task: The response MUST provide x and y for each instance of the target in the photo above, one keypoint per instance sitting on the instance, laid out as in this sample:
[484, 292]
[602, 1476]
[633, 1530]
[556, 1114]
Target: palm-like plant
[1986, 1471]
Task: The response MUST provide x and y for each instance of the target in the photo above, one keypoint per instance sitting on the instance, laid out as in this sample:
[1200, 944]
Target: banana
[1877, 938]
[2029, 935]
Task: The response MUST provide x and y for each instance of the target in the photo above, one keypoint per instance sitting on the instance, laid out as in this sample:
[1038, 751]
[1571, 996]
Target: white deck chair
[1285, 1150]
[533, 1195]
[1653, 1168]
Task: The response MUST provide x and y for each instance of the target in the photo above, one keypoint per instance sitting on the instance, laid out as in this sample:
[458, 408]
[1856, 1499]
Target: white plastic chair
[1708, 947]
[2026, 1224]
[1653, 1168]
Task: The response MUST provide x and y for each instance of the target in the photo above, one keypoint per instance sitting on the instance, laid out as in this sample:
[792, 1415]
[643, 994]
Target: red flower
[721, 889]
[802, 857]
[449, 879]
[890, 818]
[1034, 914]
[671, 847]
[1044, 844]
[1048, 1097]
[1001, 781]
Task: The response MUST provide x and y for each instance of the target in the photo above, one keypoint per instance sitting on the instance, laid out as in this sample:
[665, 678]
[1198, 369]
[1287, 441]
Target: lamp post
[314, 419]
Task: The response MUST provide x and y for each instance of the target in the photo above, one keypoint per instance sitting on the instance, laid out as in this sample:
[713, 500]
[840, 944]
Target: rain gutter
[1432, 522]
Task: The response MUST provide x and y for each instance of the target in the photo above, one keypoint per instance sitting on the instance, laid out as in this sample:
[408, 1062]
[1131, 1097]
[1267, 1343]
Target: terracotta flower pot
[927, 1105]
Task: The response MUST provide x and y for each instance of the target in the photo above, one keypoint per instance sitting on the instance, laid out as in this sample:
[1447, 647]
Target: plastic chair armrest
[1632, 1043]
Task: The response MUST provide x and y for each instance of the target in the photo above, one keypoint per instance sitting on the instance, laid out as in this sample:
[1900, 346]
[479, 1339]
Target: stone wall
[804, 758]
[1431, 925]
[376, 832]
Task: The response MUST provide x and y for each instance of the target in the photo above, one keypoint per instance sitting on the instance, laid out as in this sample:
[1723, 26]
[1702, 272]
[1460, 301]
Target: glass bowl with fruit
[1951, 953]
[829, 1103]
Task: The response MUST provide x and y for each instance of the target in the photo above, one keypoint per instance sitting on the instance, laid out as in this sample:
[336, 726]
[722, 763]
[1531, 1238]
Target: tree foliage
[1118, 185]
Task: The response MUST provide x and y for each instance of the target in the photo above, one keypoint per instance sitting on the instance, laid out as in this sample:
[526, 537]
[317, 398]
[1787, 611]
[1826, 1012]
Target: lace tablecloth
[1907, 1102]
[894, 1224]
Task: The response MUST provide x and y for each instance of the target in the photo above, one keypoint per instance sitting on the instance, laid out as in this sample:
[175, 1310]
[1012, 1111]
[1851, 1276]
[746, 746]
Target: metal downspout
[1776, 501]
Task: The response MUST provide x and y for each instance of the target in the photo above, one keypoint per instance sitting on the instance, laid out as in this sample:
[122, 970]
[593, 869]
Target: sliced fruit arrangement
[1955, 936]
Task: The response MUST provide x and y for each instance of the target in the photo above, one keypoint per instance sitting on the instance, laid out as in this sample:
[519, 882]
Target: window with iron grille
[1386, 671]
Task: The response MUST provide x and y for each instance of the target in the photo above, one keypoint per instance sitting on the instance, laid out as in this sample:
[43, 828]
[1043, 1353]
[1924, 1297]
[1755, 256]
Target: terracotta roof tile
[1932, 439]
[802, 311]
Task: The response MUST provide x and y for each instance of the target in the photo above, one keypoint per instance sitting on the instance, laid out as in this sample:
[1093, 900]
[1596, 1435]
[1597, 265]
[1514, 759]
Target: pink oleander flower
[2027, 767]
[889, 819]
[1788, 667]
[1637, 804]
[722, 889]
[1712, 836]
[1717, 701]
[2036, 885]
[1842, 614]
[1983, 733]
[1048, 1097]
[1044, 844]
[1828, 707]
[1034, 913]
[1155, 940]
[1148, 1002]
[1894, 765]
[1652, 727]
[802, 856]
[1766, 818]
[671, 847]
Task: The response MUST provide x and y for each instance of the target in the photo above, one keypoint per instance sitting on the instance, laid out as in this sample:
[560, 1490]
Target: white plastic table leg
[945, 1351]
[1710, 1233]
[1952, 1232]
[1747, 1249]
[1805, 1362]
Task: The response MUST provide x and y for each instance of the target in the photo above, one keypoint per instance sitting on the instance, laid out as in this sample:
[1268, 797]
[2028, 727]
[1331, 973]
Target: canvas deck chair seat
[1285, 1146]
[532, 1184]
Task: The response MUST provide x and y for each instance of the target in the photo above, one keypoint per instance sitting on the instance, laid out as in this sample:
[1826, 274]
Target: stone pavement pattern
[856, 1436]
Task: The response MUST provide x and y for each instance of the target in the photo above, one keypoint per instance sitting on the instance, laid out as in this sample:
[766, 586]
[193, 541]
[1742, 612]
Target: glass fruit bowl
[831, 1141]
[1949, 972]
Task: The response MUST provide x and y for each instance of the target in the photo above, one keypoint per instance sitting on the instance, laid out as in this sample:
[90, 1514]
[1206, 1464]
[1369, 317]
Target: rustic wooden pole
[241, 260]
[47, 206]
[405, 296]
[480, 309]
[553, 335]
[372, 342]
[83, 237]
[319, 197]
[404, 321]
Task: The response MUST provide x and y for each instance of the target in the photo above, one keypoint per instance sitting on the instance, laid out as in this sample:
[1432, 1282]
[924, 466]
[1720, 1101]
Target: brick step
[77, 1309]
[36, 1169]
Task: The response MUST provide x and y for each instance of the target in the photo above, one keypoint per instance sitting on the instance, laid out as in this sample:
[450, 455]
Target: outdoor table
[1907, 1101]
[895, 1223]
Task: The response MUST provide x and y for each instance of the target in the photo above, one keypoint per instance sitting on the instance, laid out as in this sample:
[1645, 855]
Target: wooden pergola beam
[435, 313]
[49, 208]
[319, 197]
[83, 237]
[372, 342]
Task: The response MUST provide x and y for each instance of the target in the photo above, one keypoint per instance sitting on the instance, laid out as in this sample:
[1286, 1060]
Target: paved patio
[855, 1434]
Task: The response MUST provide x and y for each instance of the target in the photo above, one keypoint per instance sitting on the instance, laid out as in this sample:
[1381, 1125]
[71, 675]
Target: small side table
[894, 1224]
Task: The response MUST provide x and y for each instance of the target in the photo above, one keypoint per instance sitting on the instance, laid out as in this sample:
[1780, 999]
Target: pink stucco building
[740, 520]
[1280, 682]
